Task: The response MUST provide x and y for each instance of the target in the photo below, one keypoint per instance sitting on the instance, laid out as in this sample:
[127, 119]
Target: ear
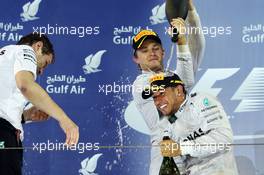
[179, 90]
[163, 53]
[182, 90]
[37, 46]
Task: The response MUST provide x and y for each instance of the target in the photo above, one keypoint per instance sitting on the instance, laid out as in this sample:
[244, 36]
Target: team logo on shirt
[194, 135]
[206, 102]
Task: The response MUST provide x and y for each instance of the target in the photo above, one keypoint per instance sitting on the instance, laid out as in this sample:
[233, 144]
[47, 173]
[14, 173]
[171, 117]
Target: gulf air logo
[158, 14]
[30, 10]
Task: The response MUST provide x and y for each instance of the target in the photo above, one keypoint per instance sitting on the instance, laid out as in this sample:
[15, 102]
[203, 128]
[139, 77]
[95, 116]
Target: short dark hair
[34, 37]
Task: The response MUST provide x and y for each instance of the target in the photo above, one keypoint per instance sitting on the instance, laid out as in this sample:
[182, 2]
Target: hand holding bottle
[168, 166]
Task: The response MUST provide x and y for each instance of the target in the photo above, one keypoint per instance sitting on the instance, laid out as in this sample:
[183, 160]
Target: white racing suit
[204, 133]
[189, 58]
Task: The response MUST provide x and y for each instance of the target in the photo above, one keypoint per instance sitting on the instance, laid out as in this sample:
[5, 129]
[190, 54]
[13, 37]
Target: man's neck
[182, 104]
[158, 70]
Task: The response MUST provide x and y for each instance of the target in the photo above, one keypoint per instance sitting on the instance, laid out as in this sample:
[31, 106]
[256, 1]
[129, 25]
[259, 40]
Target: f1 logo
[210, 77]
[250, 92]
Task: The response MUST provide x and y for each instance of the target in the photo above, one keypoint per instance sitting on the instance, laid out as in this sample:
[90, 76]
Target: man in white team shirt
[200, 132]
[19, 66]
[149, 55]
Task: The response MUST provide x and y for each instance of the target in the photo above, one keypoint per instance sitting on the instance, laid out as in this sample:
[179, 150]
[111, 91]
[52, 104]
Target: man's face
[43, 60]
[167, 100]
[150, 56]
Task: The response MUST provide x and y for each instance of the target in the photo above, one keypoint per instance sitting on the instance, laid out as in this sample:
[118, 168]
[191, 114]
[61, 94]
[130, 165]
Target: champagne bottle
[168, 166]
[175, 9]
